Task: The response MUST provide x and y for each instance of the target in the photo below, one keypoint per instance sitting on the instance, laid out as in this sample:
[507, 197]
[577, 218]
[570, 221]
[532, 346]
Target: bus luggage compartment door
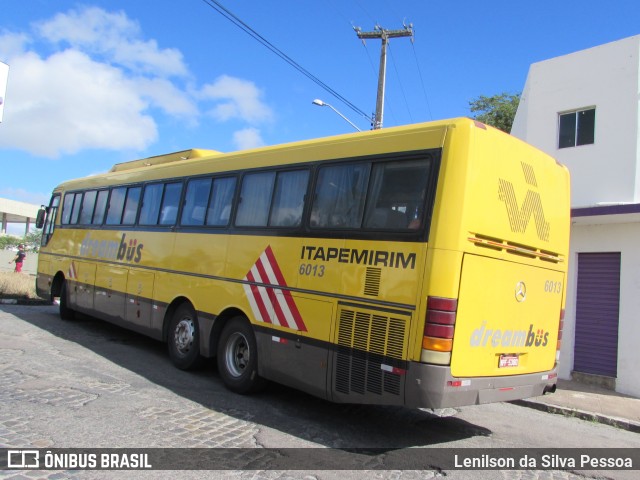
[508, 318]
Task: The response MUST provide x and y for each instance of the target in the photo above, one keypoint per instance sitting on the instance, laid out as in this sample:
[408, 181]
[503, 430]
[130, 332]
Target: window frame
[564, 137]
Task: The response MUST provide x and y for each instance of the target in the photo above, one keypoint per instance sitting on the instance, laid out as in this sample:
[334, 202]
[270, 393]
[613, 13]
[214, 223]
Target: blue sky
[101, 82]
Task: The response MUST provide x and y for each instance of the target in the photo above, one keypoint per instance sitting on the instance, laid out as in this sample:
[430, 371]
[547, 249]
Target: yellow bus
[421, 265]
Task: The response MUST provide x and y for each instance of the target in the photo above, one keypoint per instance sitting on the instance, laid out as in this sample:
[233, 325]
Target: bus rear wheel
[184, 338]
[238, 357]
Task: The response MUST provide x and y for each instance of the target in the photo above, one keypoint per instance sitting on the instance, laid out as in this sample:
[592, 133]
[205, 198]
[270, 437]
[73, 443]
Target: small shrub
[17, 285]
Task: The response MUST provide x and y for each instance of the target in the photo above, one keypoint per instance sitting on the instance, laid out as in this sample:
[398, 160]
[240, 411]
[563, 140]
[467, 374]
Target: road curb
[23, 301]
[621, 423]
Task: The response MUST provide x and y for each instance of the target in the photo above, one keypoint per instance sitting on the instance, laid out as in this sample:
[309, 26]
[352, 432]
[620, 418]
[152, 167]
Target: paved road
[89, 384]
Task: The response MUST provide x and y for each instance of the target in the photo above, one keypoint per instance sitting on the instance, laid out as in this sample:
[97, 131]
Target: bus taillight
[560, 328]
[437, 341]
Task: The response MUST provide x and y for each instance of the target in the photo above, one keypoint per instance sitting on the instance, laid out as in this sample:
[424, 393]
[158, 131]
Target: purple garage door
[597, 307]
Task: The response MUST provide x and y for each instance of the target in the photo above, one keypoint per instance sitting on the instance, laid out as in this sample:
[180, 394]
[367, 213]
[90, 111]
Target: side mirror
[42, 213]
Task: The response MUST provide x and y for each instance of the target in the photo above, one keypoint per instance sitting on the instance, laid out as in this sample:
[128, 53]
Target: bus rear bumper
[432, 386]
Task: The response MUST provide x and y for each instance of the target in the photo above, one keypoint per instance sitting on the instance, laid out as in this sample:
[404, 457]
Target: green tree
[33, 239]
[7, 241]
[498, 111]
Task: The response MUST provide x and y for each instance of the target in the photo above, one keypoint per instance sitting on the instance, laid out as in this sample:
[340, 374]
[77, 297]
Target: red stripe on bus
[287, 295]
[280, 315]
[258, 299]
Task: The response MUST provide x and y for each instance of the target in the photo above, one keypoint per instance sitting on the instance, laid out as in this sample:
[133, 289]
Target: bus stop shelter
[13, 212]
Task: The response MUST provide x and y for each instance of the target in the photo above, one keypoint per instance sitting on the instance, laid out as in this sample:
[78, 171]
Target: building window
[577, 128]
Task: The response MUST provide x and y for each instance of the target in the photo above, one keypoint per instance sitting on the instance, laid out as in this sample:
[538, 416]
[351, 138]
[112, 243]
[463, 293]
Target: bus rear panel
[495, 288]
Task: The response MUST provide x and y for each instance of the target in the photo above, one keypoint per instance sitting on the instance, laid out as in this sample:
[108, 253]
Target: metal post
[383, 35]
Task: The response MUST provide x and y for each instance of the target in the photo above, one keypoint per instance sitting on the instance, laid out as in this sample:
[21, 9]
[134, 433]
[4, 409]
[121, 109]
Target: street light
[320, 103]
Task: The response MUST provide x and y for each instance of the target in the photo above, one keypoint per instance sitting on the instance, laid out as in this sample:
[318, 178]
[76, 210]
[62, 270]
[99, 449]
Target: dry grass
[17, 285]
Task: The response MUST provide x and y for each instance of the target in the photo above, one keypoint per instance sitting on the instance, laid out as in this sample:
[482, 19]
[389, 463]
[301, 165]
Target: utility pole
[384, 35]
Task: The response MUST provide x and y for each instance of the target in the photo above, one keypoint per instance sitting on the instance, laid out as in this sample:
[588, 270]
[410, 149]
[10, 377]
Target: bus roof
[162, 159]
[334, 147]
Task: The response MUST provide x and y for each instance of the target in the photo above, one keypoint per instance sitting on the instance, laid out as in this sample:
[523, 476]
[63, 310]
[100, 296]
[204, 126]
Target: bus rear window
[396, 195]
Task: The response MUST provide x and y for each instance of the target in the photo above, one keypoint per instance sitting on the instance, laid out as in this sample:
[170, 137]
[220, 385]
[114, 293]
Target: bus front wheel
[238, 357]
[66, 312]
[184, 338]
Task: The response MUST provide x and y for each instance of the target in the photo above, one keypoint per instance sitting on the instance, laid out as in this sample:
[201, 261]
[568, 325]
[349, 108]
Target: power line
[218, 7]
[404, 96]
[424, 90]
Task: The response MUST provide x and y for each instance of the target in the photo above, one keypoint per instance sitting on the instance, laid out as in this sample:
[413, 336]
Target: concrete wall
[604, 77]
[623, 238]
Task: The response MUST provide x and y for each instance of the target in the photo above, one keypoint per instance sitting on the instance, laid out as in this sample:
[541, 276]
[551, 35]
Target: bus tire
[66, 312]
[184, 338]
[238, 357]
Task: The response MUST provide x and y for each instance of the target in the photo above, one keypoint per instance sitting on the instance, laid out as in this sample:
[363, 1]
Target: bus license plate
[508, 361]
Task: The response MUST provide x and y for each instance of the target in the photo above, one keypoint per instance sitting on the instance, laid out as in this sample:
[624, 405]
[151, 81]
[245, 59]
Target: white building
[583, 109]
[13, 212]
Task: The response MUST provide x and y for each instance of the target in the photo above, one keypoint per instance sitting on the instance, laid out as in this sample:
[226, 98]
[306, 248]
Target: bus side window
[196, 201]
[220, 202]
[88, 204]
[255, 199]
[67, 208]
[116, 205]
[49, 224]
[131, 205]
[77, 203]
[170, 203]
[339, 196]
[151, 204]
[101, 207]
[288, 200]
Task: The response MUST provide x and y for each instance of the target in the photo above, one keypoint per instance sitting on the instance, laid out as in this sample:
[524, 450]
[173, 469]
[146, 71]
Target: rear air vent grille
[368, 343]
[372, 281]
[515, 248]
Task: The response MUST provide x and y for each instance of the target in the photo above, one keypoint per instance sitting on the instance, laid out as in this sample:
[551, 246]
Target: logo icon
[521, 292]
[520, 215]
[23, 459]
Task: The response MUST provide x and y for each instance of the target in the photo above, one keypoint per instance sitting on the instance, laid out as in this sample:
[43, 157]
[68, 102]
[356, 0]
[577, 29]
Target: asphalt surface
[90, 384]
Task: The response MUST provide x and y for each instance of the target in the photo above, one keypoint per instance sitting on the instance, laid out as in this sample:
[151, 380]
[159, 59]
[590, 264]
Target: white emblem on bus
[521, 292]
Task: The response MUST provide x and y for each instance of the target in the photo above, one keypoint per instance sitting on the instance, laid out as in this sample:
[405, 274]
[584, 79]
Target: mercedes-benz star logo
[521, 292]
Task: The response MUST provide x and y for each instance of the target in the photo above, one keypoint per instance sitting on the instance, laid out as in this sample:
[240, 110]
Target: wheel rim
[237, 354]
[184, 335]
